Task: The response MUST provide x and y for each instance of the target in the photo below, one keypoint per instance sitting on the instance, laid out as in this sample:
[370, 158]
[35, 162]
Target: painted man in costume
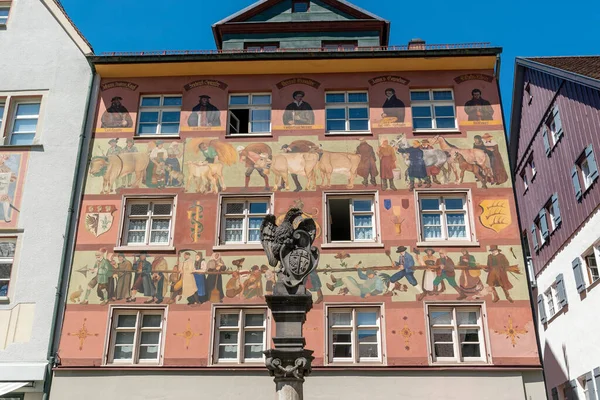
[446, 272]
[204, 113]
[298, 112]
[257, 157]
[367, 167]
[387, 163]
[124, 269]
[470, 281]
[114, 148]
[405, 264]
[116, 116]
[393, 106]
[143, 279]
[497, 269]
[477, 108]
[416, 167]
[100, 274]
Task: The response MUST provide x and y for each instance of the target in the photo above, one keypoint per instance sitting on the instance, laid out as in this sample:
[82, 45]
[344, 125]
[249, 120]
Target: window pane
[228, 319]
[336, 113]
[370, 350]
[28, 109]
[336, 125]
[444, 350]
[149, 352]
[357, 97]
[432, 225]
[359, 125]
[442, 336]
[5, 271]
[162, 209]
[234, 223]
[7, 249]
[356, 113]
[22, 138]
[456, 225]
[444, 111]
[441, 317]
[343, 319]
[126, 321]
[362, 205]
[469, 335]
[150, 338]
[151, 321]
[25, 125]
[253, 351]
[261, 99]
[172, 101]
[234, 208]
[430, 204]
[443, 123]
[366, 318]
[1, 105]
[136, 237]
[239, 100]
[253, 337]
[363, 221]
[254, 319]
[228, 337]
[342, 350]
[261, 115]
[228, 351]
[335, 98]
[421, 111]
[442, 95]
[422, 123]
[454, 204]
[159, 237]
[3, 12]
[467, 317]
[151, 101]
[258, 208]
[4, 288]
[342, 336]
[416, 96]
[124, 337]
[138, 209]
[300, 6]
[367, 336]
[470, 350]
[170, 116]
[149, 116]
[123, 352]
[137, 224]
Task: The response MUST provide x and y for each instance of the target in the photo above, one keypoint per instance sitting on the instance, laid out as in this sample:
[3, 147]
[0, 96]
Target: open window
[351, 218]
[249, 114]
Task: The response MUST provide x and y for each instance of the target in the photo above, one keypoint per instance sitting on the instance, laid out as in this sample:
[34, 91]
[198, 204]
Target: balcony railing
[455, 46]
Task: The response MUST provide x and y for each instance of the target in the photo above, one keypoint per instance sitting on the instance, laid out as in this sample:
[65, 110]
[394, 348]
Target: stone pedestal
[289, 362]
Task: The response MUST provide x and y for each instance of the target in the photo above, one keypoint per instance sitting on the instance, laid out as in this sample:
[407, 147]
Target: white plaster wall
[571, 342]
[37, 54]
[347, 385]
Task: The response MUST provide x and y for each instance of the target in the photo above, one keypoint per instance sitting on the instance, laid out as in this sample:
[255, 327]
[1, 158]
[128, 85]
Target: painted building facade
[398, 153]
[554, 147]
[45, 82]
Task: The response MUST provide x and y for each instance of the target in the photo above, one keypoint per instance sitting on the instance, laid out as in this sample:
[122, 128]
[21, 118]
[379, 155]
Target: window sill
[233, 247]
[144, 248]
[155, 137]
[4, 300]
[444, 243]
[435, 131]
[458, 364]
[354, 245]
[243, 135]
[346, 364]
[234, 364]
[22, 146]
[127, 365]
[349, 133]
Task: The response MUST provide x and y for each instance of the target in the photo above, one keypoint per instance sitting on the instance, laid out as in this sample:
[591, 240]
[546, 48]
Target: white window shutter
[561, 291]
[589, 384]
[597, 381]
[542, 309]
[578, 272]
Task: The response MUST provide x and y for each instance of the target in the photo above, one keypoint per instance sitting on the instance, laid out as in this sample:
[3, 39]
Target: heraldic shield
[300, 258]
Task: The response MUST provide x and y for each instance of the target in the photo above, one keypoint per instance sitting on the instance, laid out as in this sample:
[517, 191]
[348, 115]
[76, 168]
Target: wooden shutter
[555, 394]
[534, 237]
[589, 385]
[589, 154]
[546, 140]
[578, 272]
[597, 380]
[560, 290]
[544, 224]
[542, 309]
[573, 393]
[557, 122]
[576, 183]
[556, 208]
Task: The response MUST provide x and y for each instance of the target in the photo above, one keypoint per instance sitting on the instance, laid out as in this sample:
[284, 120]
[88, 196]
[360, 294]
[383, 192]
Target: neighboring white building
[45, 81]
[555, 146]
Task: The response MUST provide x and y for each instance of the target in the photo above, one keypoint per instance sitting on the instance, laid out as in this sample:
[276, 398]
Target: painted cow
[342, 163]
[282, 165]
[119, 165]
[204, 176]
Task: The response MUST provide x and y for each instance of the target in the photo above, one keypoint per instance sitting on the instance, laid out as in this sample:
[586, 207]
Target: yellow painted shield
[495, 214]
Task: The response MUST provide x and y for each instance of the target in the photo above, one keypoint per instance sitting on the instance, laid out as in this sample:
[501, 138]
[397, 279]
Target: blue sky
[521, 27]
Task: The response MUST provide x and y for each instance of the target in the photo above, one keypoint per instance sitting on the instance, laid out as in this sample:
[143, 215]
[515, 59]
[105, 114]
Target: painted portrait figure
[298, 112]
[116, 116]
[204, 114]
[393, 107]
[478, 109]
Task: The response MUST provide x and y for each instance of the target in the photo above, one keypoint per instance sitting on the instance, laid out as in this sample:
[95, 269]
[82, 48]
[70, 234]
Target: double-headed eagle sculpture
[290, 246]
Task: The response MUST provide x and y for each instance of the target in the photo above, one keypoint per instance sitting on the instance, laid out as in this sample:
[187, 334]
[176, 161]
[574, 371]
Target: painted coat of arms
[495, 214]
[99, 219]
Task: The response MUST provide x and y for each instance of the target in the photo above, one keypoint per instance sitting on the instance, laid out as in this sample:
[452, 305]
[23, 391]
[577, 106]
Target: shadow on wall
[555, 373]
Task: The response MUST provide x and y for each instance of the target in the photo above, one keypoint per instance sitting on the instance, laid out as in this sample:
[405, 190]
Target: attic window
[300, 6]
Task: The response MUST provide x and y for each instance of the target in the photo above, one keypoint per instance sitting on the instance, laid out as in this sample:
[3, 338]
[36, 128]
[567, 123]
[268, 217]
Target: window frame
[5, 5]
[11, 100]
[595, 253]
[341, 45]
[347, 105]
[294, 2]
[242, 311]
[481, 325]
[122, 243]
[250, 107]
[160, 109]
[523, 175]
[432, 103]
[471, 236]
[112, 329]
[262, 47]
[13, 261]
[374, 196]
[220, 221]
[332, 308]
[245, 215]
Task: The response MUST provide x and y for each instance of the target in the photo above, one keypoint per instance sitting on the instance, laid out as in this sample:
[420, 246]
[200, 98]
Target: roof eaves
[66, 22]
[515, 115]
[362, 10]
[559, 72]
[240, 12]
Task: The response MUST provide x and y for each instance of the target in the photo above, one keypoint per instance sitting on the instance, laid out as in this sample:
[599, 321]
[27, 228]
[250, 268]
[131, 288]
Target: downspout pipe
[71, 227]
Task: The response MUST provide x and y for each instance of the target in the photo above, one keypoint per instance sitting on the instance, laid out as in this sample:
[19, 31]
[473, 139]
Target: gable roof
[583, 70]
[59, 12]
[244, 16]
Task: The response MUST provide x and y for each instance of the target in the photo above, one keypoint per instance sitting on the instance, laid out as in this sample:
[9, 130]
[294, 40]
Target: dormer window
[300, 6]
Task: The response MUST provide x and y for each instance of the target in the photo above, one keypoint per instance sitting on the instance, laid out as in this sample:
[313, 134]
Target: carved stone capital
[289, 365]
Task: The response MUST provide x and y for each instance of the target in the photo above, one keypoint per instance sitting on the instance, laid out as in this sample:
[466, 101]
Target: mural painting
[393, 109]
[478, 109]
[12, 175]
[116, 116]
[298, 95]
[202, 104]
